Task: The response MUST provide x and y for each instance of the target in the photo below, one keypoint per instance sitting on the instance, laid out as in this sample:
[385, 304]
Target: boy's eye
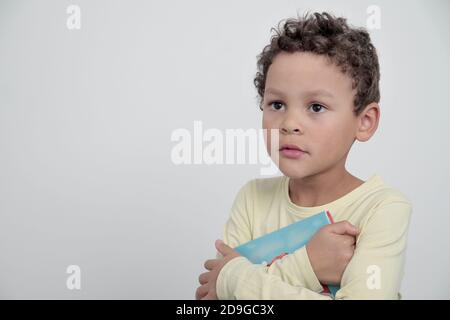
[277, 105]
[316, 107]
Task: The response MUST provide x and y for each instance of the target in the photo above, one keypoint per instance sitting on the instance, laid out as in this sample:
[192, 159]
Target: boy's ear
[368, 122]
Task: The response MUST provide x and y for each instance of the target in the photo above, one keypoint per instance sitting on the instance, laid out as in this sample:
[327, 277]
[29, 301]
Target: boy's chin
[293, 172]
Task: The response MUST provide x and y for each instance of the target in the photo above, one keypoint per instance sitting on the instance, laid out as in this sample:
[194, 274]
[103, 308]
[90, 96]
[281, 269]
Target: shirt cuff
[228, 278]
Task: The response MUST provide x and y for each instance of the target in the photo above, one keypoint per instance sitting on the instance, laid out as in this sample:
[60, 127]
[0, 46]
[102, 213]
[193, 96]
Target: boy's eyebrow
[318, 92]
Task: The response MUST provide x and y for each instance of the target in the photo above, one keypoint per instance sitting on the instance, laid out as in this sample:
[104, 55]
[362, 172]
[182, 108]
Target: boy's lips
[291, 147]
[292, 151]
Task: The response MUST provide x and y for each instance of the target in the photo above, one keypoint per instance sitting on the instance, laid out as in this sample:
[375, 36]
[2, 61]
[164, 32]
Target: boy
[318, 86]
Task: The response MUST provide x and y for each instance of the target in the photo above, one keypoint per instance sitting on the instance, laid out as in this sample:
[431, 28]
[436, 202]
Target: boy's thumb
[222, 247]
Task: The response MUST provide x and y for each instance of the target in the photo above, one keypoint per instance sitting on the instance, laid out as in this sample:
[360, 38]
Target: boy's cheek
[327, 142]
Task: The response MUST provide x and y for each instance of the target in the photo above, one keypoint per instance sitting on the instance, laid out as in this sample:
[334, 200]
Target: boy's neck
[322, 188]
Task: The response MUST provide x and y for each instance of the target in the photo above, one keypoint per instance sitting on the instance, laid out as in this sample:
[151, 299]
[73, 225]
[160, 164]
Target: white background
[86, 118]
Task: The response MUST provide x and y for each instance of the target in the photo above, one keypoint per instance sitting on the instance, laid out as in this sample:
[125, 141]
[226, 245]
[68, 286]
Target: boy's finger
[201, 292]
[203, 278]
[347, 239]
[344, 227]
[222, 247]
[207, 297]
[209, 264]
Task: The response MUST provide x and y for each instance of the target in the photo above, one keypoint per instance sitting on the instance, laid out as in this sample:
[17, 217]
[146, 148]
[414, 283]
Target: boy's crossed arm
[322, 260]
[374, 271]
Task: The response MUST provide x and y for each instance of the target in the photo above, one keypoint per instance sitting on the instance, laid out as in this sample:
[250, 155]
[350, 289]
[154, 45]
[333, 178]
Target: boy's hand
[331, 249]
[207, 290]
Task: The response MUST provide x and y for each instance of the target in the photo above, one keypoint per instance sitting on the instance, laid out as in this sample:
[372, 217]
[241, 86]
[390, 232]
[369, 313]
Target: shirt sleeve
[242, 280]
[237, 229]
[377, 266]
[374, 272]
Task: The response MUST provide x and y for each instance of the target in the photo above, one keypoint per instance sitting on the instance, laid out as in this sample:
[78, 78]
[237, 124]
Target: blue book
[274, 245]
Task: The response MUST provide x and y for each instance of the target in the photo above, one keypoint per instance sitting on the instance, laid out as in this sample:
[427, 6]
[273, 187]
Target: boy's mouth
[291, 151]
[291, 147]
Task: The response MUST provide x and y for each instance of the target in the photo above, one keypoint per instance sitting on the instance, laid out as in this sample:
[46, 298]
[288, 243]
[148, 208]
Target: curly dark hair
[321, 33]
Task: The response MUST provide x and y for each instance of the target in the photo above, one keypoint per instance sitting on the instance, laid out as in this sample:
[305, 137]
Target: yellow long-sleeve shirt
[375, 271]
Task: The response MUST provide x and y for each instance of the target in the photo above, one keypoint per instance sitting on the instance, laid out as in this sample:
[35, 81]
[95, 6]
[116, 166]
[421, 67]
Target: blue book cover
[274, 245]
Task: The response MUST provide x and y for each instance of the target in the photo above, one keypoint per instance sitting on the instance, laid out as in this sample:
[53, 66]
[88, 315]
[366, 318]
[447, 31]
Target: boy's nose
[287, 130]
[290, 123]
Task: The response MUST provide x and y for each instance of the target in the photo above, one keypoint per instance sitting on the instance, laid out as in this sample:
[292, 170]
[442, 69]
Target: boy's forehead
[306, 70]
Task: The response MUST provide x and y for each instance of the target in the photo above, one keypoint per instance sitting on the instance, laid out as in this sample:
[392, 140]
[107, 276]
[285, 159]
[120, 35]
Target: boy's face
[310, 101]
